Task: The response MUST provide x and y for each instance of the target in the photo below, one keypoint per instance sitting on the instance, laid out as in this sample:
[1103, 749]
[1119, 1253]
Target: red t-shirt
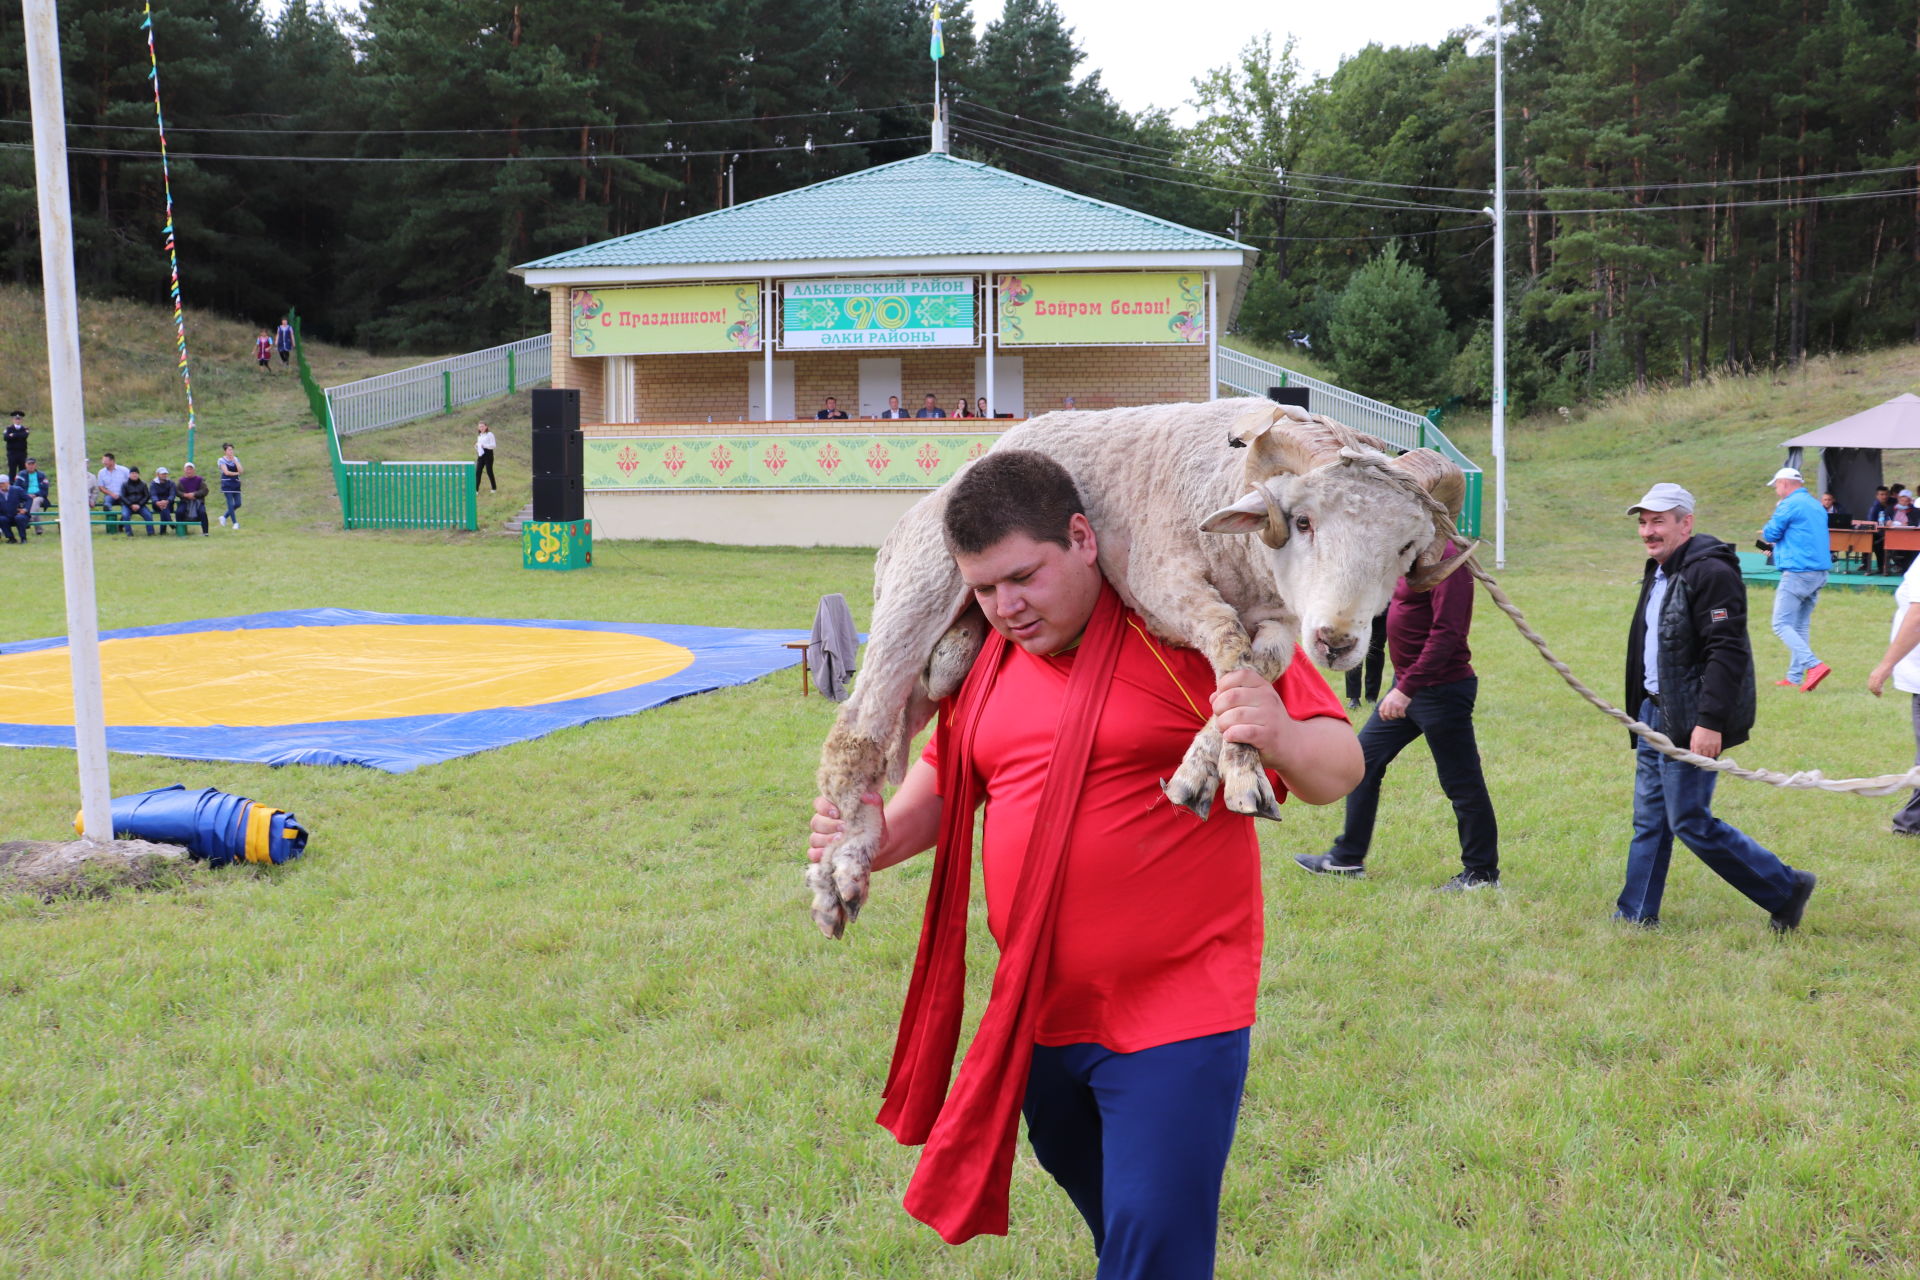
[1160, 918]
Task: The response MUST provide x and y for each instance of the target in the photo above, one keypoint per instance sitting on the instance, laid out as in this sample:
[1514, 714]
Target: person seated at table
[832, 410]
[1903, 513]
[136, 500]
[893, 409]
[930, 407]
[1837, 517]
[961, 409]
[1882, 505]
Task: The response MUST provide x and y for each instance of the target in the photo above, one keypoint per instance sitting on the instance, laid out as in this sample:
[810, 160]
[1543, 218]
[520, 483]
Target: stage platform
[1754, 568]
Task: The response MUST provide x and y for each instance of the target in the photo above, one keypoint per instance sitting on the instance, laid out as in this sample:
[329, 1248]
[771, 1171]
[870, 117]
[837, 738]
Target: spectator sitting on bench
[136, 500]
[16, 509]
[166, 495]
[108, 483]
[192, 491]
[39, 486]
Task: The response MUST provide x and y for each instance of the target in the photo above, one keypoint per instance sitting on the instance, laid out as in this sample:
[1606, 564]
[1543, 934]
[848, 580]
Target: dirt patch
[51, 869]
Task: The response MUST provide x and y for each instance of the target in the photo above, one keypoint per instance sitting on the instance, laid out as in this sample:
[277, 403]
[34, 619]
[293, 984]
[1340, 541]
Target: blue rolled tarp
[214, 825]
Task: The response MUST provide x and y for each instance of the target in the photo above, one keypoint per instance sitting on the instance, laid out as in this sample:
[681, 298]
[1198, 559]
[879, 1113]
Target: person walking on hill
[193, 496]
[1434, 689]
[483, 446]
[263, 352]
[1690, 676]
[16, 439]
[1798, 532]
[1120, 1019]
[283, 340]
[230, 471]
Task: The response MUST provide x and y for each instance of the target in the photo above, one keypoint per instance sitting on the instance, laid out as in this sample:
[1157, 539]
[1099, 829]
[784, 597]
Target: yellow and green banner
[778, 462]
[660, 319]
[902, 311]
[1103, 309]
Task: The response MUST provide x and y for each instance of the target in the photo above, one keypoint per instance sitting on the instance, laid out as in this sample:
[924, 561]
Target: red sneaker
[1815, 674]
[1786, 684]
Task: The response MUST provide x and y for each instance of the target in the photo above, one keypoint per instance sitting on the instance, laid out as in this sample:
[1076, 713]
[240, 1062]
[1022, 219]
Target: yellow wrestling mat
[390, 691]
[314, 675]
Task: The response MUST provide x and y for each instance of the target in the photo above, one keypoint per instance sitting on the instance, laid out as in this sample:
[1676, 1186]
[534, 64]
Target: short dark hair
[930, 396]
[108, 455]
[1007, 492]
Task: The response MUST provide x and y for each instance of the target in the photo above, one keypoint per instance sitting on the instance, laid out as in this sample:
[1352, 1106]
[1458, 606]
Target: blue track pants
[1139, 1141]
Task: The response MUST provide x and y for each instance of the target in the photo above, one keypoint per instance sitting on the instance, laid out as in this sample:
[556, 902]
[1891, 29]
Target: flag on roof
[938, 48]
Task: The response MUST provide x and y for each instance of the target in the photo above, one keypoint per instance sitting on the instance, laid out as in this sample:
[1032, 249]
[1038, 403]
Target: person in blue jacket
[16, 509]
[1798, 532]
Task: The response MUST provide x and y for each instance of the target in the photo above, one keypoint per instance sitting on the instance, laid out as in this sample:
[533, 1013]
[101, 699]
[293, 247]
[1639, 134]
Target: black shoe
[1353, 704]
[1325, 864]
[1787, 918]
[1467, 880]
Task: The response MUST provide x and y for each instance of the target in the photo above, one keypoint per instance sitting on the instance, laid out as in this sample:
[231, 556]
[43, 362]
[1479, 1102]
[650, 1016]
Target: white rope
[1358, 450]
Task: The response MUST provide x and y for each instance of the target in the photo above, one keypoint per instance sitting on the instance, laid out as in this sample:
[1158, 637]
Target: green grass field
[557, 1010]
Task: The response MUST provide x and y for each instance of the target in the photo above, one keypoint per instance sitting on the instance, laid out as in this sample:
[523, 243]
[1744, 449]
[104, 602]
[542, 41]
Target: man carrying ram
[1130, 931]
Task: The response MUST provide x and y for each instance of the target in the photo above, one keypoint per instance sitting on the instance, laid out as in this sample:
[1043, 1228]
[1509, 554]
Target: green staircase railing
[391, 495]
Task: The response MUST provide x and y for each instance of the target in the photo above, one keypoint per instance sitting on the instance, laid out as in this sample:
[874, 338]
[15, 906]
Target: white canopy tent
[1850, 449]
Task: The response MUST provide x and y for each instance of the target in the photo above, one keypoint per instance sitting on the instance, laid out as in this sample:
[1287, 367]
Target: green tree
[1389, 332]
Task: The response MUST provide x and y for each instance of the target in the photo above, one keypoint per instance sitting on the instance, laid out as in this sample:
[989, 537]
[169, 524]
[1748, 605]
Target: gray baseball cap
[1664, 496]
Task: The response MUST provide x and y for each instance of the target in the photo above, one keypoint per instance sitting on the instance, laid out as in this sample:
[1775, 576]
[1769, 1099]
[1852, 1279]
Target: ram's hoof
[1247, 789]
[1196, 801]
[828, 912]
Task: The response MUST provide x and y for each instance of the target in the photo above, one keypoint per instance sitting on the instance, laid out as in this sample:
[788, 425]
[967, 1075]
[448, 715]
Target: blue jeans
[1793, 618]
[1671, 799]
[1139, 1141]
[233, 506]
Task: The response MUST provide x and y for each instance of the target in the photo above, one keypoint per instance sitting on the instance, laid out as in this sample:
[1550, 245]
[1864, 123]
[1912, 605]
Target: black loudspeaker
[559, 498]
[1279, 395]
[558, 453]
[556, 409]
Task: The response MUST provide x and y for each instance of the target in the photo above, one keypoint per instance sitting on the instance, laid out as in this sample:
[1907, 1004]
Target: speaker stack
[558, 494]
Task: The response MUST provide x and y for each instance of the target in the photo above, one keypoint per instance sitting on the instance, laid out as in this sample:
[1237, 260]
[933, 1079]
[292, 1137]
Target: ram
[1238, 528]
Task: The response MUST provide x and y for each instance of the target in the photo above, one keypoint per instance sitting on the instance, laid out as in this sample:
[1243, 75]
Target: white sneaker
[223, 522]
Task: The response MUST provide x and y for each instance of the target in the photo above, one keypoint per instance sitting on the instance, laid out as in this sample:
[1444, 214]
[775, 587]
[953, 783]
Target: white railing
[1401, 428]
[440, 386]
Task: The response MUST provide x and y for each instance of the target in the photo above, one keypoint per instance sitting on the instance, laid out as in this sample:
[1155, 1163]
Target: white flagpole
[69, 413]
[1499, 290]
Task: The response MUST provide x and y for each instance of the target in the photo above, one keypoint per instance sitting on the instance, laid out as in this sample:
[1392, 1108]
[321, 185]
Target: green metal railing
[1399, 427]
[391, 495]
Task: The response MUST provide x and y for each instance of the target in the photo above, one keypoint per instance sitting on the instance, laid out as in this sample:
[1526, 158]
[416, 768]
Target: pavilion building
[702, 350]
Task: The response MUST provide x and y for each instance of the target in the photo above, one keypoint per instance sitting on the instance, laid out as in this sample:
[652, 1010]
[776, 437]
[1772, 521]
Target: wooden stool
[801, 645]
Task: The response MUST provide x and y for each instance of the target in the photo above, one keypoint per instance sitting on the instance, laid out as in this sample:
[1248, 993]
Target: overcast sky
[1149, 51]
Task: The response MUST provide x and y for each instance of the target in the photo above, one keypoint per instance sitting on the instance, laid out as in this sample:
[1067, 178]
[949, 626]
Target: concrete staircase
[525, 514]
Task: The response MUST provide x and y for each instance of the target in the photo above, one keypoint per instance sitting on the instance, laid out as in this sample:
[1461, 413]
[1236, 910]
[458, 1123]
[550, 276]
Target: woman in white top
[483, 458]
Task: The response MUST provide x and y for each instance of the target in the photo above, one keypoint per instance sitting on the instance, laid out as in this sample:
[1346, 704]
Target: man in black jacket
[1690, 675]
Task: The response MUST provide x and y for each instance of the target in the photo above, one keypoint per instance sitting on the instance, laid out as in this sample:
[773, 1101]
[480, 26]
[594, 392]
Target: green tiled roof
[927, 206]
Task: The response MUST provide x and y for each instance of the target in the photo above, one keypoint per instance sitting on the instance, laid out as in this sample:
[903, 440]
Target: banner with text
[1099, 309]
[914, 311]
[853, 461]
[666, 318]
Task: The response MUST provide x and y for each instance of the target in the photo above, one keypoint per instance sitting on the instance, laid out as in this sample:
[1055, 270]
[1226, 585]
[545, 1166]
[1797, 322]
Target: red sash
[960, 1187]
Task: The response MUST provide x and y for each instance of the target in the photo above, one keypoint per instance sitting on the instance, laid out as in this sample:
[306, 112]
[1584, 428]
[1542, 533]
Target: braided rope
[1358, 451]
